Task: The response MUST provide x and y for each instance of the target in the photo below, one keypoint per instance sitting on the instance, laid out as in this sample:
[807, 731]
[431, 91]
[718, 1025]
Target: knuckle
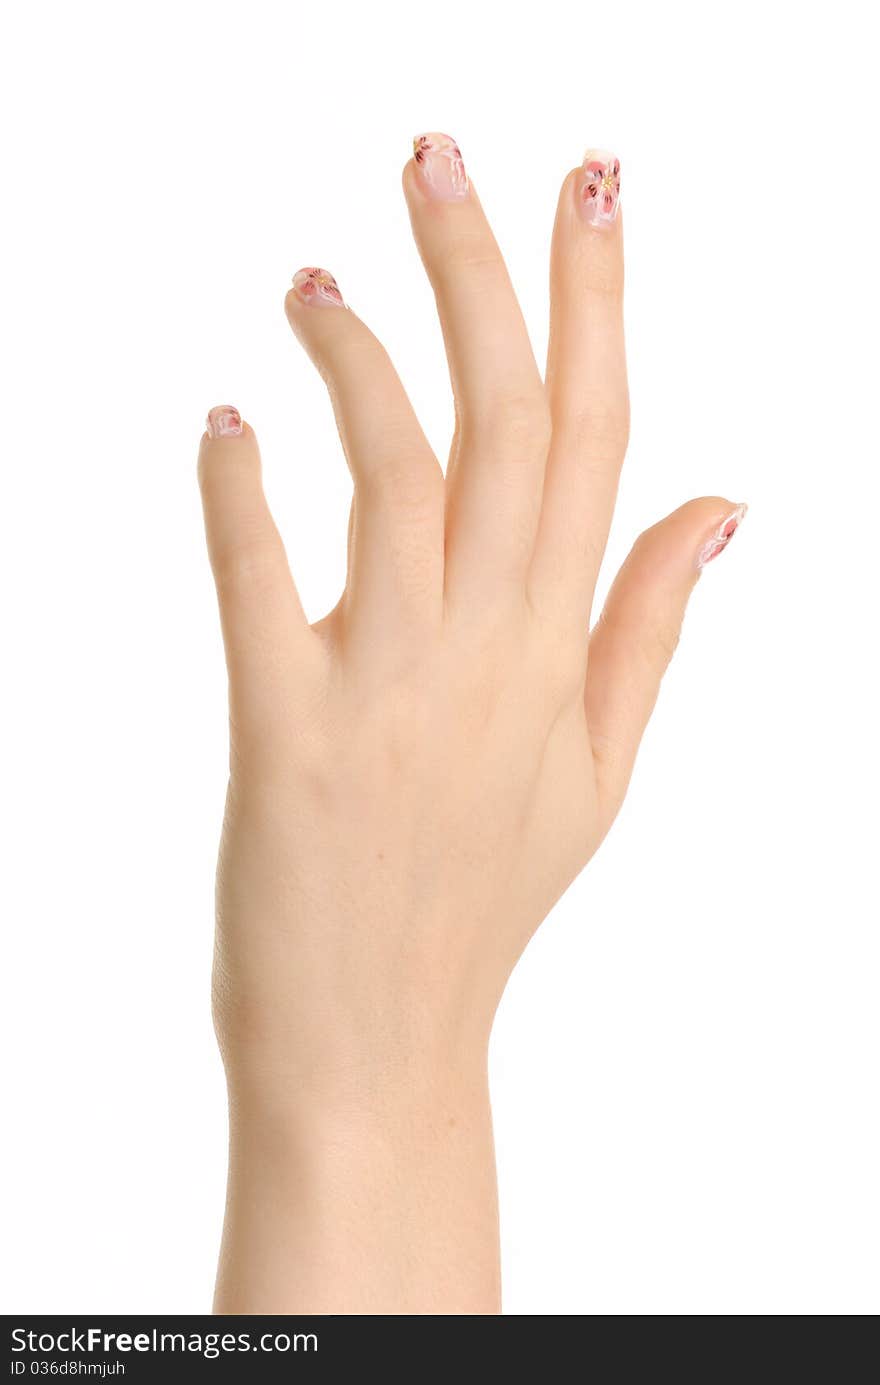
[603, 425]
[659, 643]
[248, 565]
[606, 418]
[397, 483]
[472, 253]
[517, 424]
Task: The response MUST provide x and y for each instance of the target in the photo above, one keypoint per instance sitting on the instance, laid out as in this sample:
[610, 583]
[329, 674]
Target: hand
[417, 778]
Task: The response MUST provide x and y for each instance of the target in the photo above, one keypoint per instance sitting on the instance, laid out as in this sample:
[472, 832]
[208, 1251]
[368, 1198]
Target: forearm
[379, 1205]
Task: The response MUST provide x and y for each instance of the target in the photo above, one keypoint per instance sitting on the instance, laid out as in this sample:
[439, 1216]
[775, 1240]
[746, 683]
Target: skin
[417, 778]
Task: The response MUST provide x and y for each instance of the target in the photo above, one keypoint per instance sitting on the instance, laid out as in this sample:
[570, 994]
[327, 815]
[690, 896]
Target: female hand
[419, 776]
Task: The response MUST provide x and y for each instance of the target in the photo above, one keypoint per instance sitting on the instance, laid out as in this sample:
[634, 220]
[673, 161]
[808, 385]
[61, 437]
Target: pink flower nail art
[600, 190]
[317, 286]
[224, 421]
[722, 536]
[438, 159]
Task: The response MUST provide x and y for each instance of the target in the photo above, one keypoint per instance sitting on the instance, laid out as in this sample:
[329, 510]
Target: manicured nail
[599, 192]
[441, 170]
[223, 422]
[721, 537]
[317, 286]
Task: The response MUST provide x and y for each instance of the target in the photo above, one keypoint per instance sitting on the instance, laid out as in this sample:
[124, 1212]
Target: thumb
[639, 629]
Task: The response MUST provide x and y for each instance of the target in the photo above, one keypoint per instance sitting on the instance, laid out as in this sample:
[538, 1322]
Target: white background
[684, 1067]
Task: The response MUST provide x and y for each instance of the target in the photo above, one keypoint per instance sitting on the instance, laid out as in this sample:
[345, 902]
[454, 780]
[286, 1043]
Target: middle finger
[496, 475]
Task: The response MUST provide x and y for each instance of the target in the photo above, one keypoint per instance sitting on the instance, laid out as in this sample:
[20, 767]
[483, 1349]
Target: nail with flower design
[599, 192]
[223, 421]
[717, 542]
[440, 167]
[317, 286]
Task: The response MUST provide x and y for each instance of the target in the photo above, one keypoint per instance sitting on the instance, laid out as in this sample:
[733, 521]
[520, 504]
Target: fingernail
[599, 192]
[721, 537]
[440, 167]
[223, 422]
[317, 286]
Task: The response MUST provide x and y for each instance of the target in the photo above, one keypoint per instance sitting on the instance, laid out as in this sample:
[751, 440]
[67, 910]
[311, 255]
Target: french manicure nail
[223, 422]
[440, 167]
[599, 191]
[721, 537]
[317, 286]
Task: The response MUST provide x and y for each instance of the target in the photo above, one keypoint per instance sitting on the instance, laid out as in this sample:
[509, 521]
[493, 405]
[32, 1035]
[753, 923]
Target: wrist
[406, 1096]
[377, 1196]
